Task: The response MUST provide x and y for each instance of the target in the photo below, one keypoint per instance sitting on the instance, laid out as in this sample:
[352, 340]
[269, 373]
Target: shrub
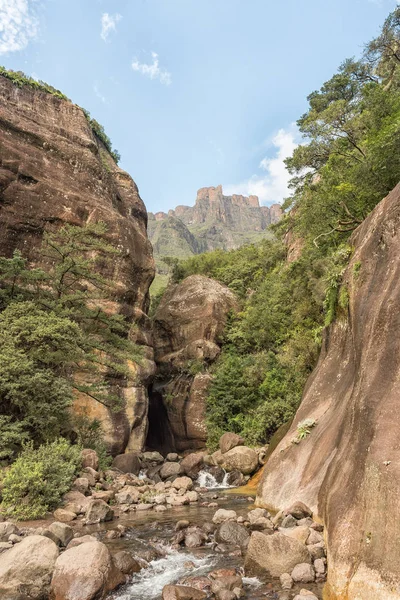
[37, 480]
[90, 435]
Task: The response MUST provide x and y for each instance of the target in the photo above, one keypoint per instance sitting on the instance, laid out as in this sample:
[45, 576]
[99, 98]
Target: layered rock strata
[53, 171]
[348, 468]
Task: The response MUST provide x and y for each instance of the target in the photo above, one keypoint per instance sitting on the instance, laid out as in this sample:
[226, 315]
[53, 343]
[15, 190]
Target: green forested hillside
[349, 160]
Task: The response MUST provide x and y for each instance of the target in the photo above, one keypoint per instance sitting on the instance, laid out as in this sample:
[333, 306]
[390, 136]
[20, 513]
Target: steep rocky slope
[188, 327]
[53, 171]
[215, 221]
[348, 468]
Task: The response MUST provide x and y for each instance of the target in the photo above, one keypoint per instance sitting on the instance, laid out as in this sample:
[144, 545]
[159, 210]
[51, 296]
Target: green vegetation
[349, 161]
[56, 338]
[304, 430]
[37, 480]
[20, 79]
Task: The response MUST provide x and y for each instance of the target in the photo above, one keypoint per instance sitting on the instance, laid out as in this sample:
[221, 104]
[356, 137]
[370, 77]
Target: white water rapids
[207, 480]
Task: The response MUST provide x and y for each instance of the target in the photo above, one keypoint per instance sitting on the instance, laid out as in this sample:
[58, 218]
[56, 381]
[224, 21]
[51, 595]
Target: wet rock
[160, 508]
[232, 533]
[228, 582]
[64, 516]
[192, 463]
[125, 562]
[84, 573]
[200, 583]
[235, 478]
[209, 527]
[241, 459]
[275, 554]
[62, 531]
[182, 524]
[195, 539]
[182, 592]
[192, 496]
[224, 515]
[6, 529]
[228, 441]
[127, 463]
[303, 573]
[90, 458]
[170, 469]
[26, 569]
[97, 512]
[84, 539]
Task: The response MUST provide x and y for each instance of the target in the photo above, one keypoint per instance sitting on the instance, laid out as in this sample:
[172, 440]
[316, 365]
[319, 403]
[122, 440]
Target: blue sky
[193, 93]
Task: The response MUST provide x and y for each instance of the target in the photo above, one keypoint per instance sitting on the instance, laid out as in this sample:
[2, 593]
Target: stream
[146, 530]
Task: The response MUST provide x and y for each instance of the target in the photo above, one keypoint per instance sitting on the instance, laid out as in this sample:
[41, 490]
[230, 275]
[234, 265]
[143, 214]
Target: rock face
[348, 469]
[53, 170]
[188, 325]
[26, 569]
[215, 221]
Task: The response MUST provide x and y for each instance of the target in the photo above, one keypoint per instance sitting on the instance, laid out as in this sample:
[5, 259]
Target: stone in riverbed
[26, 569]
[182, 483]
[153, 457]
[224, 515]
[125, 562]
[128, 495]
[232, 533]
[62, 531]
[306, 595]
[172, 457]
[275, 554]
[97, 512]
[84, 573]
[230, 440]
[64, 516]
[84, 539]
[303, 573]
[240, 458]
[286, 581]
[6, 529]
[170, 469]
[182, 592]
[192, 463]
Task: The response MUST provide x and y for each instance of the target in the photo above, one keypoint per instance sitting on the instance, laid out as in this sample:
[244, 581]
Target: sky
[192, 93]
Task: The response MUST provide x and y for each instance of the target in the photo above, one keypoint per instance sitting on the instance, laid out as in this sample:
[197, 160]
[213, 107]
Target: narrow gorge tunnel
[159, 435]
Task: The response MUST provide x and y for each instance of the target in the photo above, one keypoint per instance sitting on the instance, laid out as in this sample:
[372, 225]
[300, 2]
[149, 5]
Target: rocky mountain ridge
[215, 221]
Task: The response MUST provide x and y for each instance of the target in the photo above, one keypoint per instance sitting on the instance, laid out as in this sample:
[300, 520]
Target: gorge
[242, 438]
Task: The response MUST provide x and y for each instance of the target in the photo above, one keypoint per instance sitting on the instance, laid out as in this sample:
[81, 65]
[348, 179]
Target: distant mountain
[215, 221]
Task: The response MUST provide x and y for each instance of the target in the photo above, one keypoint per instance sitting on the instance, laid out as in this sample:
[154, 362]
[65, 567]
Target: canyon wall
[348, 468]
[53, 170]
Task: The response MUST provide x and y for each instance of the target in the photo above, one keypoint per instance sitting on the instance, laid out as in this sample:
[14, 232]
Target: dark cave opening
[159, 435]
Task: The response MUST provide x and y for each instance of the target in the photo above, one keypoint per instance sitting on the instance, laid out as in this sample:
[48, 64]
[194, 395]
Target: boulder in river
[170, 469]
[182, 592]
[274, 554]
[223, 515]
[232, 533]
[97, 512]
[86, 572]
[26, 569]
[240, 458]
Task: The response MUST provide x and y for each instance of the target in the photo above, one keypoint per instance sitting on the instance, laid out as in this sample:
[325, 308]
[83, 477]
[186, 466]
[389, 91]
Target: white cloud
[152, 70]
[272, 186]
[18, 24]
[108, 24]
[99, 94]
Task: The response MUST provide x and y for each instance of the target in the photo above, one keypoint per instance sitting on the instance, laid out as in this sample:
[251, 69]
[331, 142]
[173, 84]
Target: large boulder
[193, 463]
[127, 463]
[85, 572]
[240, 458]
[188, 326]
[274, 554]
[26, 569]
[347, 470]
[55, 171]
[232, 533]
[230, 440]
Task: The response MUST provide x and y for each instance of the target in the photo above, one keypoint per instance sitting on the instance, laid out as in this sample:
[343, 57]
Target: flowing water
[149, 529]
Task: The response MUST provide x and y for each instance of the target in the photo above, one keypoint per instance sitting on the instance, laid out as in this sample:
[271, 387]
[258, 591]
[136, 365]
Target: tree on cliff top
[58, 336]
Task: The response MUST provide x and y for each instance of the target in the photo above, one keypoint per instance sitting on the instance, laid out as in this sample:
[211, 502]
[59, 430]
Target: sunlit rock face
[188, 327]
[348, 468]
[53, 171]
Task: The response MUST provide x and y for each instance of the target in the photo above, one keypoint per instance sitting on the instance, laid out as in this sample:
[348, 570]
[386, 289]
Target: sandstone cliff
[188, 327]
[215, 221]
[348, 468]
[53, 170]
